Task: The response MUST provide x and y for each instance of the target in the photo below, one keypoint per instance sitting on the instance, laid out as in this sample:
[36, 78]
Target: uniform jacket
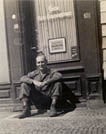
[51, 76]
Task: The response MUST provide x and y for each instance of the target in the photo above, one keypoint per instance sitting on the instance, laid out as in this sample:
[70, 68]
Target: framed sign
[57, 45]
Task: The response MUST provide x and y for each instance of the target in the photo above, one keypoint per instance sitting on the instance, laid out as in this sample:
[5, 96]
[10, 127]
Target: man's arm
[28, 78]
[56, 76]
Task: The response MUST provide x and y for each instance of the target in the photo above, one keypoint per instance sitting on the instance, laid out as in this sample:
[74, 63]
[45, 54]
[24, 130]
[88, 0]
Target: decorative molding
[74, 83]
[5, 86]
[93, 84]
[72, 68]
[64, 61]
[5, 90]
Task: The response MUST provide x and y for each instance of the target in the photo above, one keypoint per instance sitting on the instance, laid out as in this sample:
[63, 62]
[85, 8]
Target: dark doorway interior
[28, 29]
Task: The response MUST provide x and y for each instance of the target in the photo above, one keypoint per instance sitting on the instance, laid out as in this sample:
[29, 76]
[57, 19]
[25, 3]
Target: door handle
[33, 48]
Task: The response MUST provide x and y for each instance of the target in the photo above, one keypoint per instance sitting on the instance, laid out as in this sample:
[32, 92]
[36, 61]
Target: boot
[53, 111]
[26, 110]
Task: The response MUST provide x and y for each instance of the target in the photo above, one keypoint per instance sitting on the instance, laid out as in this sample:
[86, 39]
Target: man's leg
[24, 97]
[53, 111]
[30, 95]
[26, 108]
[56, 95]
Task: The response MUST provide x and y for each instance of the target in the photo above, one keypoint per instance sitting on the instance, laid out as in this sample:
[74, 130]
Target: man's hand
[37, 83]
[43, 83]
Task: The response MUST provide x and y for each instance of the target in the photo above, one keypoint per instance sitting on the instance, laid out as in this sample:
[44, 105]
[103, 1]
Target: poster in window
[57, 45]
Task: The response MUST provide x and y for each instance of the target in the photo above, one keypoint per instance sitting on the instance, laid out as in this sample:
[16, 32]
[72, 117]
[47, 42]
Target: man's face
[41, 63]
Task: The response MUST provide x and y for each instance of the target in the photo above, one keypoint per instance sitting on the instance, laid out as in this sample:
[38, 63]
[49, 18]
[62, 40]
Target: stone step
[95, 104]
[5, 100]
[82, 103]
[10, 107]
[6, 107]
[6, 104]
[18, 107]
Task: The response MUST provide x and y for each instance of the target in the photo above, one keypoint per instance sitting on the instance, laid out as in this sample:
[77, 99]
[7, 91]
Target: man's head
[41, 62]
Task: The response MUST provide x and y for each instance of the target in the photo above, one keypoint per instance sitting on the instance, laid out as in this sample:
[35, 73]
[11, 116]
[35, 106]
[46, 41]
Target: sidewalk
[79, 121]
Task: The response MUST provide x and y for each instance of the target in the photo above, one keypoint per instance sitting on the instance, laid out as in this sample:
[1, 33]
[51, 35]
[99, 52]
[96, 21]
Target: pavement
[83, 120]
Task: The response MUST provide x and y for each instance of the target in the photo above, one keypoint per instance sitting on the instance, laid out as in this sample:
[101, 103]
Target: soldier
[43, 87]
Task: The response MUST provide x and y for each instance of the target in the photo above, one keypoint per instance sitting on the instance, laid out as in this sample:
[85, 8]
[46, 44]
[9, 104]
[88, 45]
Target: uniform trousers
[41, 97]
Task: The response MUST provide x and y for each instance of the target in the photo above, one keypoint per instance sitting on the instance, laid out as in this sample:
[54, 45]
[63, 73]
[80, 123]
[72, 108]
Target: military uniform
[41, 96]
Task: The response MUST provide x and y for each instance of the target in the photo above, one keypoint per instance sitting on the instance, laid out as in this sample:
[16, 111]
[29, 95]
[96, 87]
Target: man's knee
[58, 84]
[24, 85]
[57, 89]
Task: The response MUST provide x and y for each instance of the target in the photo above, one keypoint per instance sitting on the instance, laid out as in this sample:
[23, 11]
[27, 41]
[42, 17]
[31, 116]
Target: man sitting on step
[42, 87]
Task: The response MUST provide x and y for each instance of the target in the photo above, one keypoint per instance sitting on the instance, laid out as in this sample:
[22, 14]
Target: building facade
[68, 32]
[103, 27]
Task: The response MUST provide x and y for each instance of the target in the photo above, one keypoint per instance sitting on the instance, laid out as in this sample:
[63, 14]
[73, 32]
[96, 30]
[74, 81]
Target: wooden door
[56, 30]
